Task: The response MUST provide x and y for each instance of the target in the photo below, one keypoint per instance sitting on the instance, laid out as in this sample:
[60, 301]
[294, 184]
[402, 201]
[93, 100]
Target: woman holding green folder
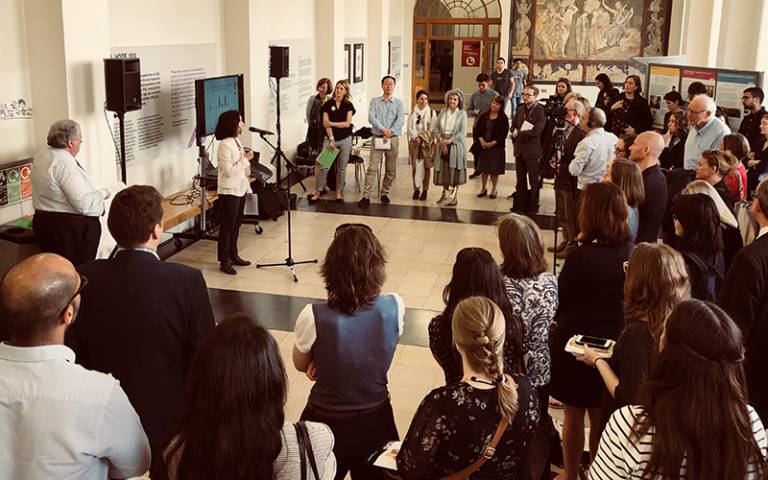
[337, 121]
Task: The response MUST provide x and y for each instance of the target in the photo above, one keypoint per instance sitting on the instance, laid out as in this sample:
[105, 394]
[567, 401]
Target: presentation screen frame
[203, 128]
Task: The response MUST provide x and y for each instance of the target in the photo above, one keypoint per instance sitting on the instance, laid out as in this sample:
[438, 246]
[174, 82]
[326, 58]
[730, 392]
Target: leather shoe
[240, 262]
[415, 194]
[227, 268]
[423, 195]
[474, 175]
[385, 199]
[364, 202]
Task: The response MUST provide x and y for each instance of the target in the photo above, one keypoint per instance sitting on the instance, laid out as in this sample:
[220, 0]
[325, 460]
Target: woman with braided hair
[454, 425]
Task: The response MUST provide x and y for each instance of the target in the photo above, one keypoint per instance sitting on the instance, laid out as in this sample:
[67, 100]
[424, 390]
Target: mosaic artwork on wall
[578, 39]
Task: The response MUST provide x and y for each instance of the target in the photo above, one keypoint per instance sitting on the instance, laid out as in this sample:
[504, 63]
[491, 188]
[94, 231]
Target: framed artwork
[578, 38]
[347, 61]
[358, 65]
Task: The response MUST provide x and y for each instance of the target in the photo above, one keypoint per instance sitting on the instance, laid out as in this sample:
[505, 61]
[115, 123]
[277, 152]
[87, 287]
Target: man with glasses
[142, 320]
[706, 133]
[750, 125]
[67, 204]
[57, 419]
[526, 129]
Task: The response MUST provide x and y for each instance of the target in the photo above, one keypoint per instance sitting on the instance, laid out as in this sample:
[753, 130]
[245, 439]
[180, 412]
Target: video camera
[554, 108]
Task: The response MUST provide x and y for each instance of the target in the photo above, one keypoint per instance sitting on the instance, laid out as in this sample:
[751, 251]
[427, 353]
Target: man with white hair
[67, 204]
[645, 152]
[706, 133]
[592, 154]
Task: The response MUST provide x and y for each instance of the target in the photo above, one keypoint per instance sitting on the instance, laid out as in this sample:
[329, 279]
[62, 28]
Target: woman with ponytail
[454, 424]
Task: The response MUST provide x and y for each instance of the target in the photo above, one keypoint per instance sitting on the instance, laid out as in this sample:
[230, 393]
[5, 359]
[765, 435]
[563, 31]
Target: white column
[329, 40]
[377, 54]
[761, 40]
[236, 32]
[702, 31]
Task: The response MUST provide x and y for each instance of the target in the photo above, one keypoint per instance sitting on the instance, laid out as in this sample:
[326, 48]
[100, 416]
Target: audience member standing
[526, 129]
[607, 95]
[337, 126]
[450, 133]
[386, 115]
[58, 421]
[234, 185]
[736, 149]
[590, 288]
[752, 99]
[656, 282]
[593, 153]
[627, 176]
[141, 319]
[674, 103]
[232, 422]
[713, 167]
[706, 133]
[475, 272]
[631, 112]
[667, 434]
[314, 116]
[67, 204]
[490, 135]
[645, 152]
[518, 75]
[479, 103]
[450, 432]
[744, 294]
[700, 240]
[421, 143]
[758, 163]
[695, 89]
[346, 345]
[674, 141]
[502, 82]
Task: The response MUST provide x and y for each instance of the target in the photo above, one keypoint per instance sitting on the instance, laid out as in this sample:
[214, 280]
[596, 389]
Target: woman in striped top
[694, 421]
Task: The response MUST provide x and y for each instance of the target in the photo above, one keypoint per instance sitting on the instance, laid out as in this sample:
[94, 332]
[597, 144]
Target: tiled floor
[420, 254]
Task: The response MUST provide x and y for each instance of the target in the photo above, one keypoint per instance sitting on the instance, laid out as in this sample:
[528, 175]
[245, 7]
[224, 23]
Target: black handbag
[305, 451]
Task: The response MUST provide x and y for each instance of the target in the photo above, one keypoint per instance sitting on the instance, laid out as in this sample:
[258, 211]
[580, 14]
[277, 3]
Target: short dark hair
[482, 77]
[756, 92]
[697, 88]
[133, 215]
[603, 215]
[700, 220]
[422, 92]
[502, 59]
[227, 124]
[325, 81]
[517, 60]
[637, 81]
[385, 77]
[673, 96]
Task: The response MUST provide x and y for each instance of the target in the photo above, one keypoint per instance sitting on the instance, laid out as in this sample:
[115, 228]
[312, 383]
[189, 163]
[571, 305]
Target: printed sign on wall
[470, 53]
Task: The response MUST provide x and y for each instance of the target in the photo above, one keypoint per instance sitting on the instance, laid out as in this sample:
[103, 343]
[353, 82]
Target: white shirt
[60, 421]
[591, 157]
[234, 168]
[306, 334]
[60, 184]
[762, 232]
[425, 118]
[449, 120]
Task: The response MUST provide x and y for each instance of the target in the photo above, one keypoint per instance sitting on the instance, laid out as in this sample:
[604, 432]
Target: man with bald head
[706, 130]
[57, 419]
[645, 152]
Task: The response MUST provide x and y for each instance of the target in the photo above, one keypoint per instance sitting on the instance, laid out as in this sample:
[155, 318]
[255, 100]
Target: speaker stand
[120, 116]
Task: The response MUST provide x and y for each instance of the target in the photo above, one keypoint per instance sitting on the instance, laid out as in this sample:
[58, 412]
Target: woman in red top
[736, 149]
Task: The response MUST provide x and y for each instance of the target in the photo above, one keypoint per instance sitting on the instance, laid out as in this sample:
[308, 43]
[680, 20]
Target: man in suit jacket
[744, 295]
[527, 129]
[565, 183]
[142, 319]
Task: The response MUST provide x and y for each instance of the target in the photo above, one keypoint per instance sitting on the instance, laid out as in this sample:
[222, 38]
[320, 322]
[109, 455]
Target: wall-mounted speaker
[122, 78]
[278, 62]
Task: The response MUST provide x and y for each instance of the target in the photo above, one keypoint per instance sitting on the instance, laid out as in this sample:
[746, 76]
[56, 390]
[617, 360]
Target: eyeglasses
[83, 283]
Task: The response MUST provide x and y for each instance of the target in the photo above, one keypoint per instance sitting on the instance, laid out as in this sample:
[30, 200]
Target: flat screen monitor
[213, 96]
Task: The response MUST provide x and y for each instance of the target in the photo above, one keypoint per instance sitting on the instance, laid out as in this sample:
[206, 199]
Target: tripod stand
[277, 159]
[559, 143]
[289, 165]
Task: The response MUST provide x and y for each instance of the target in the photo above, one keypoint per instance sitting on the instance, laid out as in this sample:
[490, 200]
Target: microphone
[260, 131]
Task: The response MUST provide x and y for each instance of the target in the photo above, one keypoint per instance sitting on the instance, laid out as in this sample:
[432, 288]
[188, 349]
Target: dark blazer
[638, 115]
[569, 149]
[672, 157]
[744, 295]
[142, 321]
[528, 144]
[652, 209]
[499, 132]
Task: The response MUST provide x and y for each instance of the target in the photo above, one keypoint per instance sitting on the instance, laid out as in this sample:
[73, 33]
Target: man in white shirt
[67, 204]
[57, 419]
[592, 154]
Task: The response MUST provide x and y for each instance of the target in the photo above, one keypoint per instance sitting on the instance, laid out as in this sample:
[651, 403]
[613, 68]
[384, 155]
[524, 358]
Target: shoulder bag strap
[489, 452]
[308, 446]
[302, 451]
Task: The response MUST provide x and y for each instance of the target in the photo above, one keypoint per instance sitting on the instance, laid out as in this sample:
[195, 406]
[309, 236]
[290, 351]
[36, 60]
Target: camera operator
[526, 130]
[555, 110]
[565, 183]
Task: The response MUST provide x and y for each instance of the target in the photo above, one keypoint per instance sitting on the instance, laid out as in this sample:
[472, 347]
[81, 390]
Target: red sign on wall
[470, 53]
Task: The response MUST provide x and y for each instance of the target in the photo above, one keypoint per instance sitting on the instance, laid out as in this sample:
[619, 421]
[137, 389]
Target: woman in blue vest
[346, 345]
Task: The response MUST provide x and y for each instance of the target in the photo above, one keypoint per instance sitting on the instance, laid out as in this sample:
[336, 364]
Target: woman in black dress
[607, 96]
[656, 282]
[631, 112]
[475, 273]
[490, 134]
[452, 426]
[590, 287]
[674, 141]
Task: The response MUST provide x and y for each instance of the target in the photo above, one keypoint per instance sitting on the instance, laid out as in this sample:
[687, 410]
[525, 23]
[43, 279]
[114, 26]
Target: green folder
[327, 156]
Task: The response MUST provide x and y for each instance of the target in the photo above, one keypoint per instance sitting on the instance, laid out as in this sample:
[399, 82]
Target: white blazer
[234, 168]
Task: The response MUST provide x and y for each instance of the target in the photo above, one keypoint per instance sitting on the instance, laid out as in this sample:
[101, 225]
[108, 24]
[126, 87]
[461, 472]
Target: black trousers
[527, 170]
[231, 213]
[74, 237]
[356, 438]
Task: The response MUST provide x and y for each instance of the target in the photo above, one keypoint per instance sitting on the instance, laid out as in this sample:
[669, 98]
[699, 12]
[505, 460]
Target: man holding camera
[526, 130]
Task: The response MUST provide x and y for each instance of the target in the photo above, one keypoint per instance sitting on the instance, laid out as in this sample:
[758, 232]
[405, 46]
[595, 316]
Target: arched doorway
[453, 41]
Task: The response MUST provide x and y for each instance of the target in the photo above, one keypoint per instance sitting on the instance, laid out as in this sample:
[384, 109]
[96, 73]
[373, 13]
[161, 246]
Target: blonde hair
[702, 186]
[347, 94]
[478, 331]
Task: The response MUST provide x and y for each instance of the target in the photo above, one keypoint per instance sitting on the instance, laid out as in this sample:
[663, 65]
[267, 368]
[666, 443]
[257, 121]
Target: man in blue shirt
[386, 116]
[518, 76]
[707, 131]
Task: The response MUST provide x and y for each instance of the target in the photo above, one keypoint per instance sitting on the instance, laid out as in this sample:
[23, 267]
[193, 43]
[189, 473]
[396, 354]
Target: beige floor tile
[416, 357]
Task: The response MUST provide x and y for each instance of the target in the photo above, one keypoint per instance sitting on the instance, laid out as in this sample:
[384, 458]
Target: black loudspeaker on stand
[122, 79]
[280, 55]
